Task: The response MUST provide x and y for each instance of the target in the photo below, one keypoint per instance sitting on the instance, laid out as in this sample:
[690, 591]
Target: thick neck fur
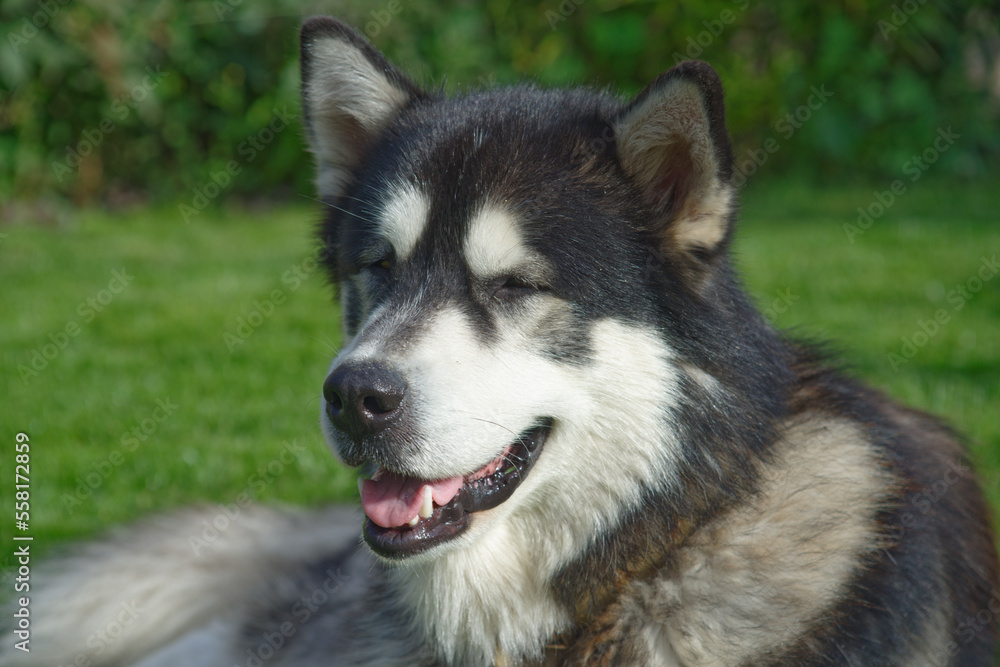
[494, 596]
[513, 587]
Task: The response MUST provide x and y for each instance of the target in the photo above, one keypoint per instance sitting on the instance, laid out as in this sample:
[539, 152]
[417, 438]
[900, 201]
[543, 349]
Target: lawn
[155, 363]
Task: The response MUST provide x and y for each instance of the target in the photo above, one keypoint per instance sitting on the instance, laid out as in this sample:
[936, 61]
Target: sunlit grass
[881, 300]
[198, 373]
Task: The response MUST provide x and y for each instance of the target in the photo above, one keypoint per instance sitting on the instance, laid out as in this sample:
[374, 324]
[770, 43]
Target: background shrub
[79, 120]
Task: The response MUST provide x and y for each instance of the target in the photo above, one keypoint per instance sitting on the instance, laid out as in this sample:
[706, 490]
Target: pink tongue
[394, 500]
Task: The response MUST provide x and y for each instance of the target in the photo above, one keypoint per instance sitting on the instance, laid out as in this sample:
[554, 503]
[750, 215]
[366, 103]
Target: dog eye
[514, 287]
[383, 265]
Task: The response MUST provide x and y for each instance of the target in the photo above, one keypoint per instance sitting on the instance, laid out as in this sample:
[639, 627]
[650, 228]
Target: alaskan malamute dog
[581, 444]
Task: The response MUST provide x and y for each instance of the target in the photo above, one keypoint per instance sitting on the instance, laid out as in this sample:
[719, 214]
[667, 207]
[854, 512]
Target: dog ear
[350, 92]
[671, 139]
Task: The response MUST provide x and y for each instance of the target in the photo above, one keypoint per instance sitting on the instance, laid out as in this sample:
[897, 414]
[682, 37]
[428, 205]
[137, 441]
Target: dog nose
[364, 399]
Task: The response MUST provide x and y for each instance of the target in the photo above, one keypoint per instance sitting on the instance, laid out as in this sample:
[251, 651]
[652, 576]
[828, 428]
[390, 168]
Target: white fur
[661, 651]
[209, 645]
[493, 245]
[700, 376]
[760, 575]
[486, 590]
[705, 221]
[344, 78]
[114, 602]
[403, 218]
[349, 100]
[610, 435]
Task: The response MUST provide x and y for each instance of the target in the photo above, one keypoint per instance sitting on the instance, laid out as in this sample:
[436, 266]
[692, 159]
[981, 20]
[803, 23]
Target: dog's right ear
[350, 92]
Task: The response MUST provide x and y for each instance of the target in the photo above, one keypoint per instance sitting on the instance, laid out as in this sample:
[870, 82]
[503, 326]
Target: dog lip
[490, 491]
[397, 543]
[476, 495]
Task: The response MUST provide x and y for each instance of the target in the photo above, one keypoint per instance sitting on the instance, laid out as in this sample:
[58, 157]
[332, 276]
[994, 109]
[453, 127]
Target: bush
[170, 100]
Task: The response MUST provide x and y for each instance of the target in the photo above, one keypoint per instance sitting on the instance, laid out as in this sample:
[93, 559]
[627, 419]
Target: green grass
[162, 338]
[866, 297]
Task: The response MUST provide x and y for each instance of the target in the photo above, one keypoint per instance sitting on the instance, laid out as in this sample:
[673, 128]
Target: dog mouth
[406, 515]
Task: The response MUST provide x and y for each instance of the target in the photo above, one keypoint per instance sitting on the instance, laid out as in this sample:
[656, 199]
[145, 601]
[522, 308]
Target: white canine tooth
[361, 484]
[414, 521]
[427, 508]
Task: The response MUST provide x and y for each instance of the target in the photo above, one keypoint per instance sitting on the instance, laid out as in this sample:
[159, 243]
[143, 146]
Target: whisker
[333, 206]
[328, 343]
[516, 436]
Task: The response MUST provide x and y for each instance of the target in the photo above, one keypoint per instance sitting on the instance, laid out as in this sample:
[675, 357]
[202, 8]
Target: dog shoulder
[758, 576]
[838, 552]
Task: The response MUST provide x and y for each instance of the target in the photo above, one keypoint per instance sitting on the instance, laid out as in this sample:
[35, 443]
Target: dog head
[534, 288]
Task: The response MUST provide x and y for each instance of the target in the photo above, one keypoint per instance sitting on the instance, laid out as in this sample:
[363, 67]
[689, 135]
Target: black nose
[364, 399]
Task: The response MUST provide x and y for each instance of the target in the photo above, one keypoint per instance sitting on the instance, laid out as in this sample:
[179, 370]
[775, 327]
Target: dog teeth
[361, 484]
[427, 508]
[414, 521]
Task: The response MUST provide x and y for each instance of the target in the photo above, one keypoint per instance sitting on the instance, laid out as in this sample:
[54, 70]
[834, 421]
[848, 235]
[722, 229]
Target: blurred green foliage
[114, 102]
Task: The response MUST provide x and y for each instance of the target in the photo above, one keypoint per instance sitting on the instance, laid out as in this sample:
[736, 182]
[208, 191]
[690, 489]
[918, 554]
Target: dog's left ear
[671, 139]
[350, 93]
